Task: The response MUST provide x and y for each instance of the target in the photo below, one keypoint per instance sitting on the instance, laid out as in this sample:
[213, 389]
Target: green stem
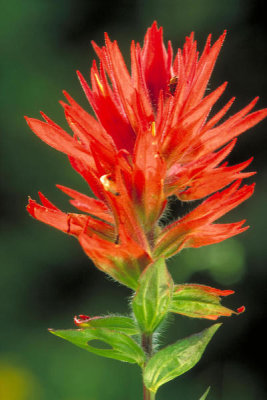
[147, 346]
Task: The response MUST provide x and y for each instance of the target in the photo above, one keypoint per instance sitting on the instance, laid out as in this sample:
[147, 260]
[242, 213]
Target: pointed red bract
[152, 138]
[96, 208]
[196, 229]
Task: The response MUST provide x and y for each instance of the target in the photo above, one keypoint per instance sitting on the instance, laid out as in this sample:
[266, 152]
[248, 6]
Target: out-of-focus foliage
[45, 278]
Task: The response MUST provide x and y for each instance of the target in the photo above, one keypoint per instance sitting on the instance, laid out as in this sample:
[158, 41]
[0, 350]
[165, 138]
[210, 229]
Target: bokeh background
[45, 277]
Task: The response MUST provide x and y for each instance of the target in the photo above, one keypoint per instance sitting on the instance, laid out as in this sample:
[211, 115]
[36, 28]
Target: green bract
[122, 347]
[176, 359]
[152, 299]
[196, 302]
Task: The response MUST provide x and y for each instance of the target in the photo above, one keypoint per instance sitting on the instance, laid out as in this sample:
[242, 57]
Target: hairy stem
[147, 346]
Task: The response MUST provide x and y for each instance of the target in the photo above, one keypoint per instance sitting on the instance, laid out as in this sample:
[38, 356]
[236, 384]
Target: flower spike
[152, 138]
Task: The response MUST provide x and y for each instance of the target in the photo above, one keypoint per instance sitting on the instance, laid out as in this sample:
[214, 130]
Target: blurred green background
[45, 277]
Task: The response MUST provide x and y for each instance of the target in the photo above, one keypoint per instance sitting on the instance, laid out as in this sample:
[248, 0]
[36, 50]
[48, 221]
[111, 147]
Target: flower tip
[42, 198]
[79, 74]
[28, 119]
[227, 292]
[223, 35]
[81, 319]
[233, 99]
[241, 309]
[241, 227]
[68, 96]
[254, 102]
[63, 104]
[94, 45]
[221, 39]
[107, 38]
[30, 206]
[245, 228]
[45, 117]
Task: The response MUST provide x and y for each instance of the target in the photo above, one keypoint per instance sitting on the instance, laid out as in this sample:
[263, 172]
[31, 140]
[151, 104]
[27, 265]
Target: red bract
[196, 229]
[152, 138]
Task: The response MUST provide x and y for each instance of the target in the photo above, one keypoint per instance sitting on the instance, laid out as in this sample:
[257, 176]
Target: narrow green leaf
[113, 322]
[176, 359]
[204, 396]
[152, 299]
[199, 301]
[121, 346]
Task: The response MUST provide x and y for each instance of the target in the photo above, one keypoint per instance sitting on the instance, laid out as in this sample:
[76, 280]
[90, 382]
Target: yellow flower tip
[99, 84]
[109, 184]
[153, 128]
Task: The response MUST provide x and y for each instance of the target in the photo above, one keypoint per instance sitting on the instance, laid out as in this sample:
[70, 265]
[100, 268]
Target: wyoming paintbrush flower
[152, 137]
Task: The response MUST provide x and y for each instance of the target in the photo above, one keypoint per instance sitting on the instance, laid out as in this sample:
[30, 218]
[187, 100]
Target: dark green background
[45, 277]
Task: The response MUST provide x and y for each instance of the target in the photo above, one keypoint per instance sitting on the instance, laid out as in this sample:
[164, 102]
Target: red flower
[152, 138]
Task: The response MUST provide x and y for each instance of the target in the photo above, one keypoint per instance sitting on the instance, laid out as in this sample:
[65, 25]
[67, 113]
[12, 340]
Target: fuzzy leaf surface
[153, 296]
[121, 346]
[176, 359]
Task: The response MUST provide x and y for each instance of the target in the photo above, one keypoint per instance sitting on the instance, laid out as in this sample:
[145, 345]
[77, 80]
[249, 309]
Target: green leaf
[199, 301]
[113, 322]
[153, 296]
[176, 359]
[120, 346]
[204, 396]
